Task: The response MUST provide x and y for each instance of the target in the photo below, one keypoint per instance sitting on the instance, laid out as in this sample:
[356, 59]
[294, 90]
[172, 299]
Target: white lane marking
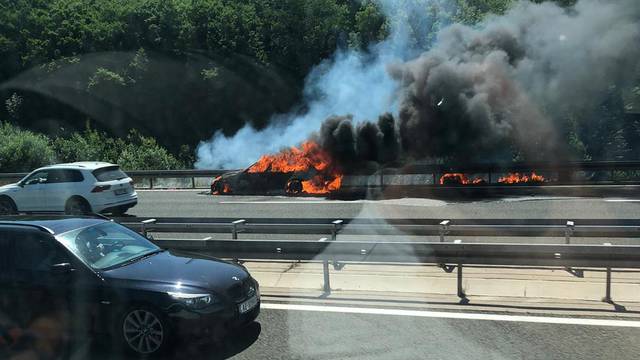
[622, 200]
[454, 315]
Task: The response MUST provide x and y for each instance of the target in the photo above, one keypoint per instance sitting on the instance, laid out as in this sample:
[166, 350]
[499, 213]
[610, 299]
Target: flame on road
[517, 178]
[459, 179]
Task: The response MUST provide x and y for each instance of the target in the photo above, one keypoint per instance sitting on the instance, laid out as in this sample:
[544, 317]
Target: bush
[88, 145]
[22, 150]
[144, 153]
[136, 152]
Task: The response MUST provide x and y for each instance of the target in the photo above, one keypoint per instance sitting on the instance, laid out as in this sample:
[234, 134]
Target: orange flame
[308, 157]
[459, 178]
[226, 189]
[517, 178]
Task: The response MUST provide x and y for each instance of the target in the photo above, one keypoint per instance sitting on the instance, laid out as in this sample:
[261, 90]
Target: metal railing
[448, 256]
[452, 255]
[587, 228]
[491, 171]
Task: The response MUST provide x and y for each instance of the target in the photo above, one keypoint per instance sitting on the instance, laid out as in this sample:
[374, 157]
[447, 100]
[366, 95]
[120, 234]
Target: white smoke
[352, 82]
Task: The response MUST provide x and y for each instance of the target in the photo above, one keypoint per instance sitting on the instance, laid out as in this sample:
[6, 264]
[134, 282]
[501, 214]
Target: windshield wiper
[137, 258]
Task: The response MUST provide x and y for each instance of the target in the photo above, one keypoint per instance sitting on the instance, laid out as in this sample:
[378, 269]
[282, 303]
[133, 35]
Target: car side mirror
[62, 268]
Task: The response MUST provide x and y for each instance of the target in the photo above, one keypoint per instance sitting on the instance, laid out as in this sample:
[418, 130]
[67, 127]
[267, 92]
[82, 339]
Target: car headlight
[193, 301]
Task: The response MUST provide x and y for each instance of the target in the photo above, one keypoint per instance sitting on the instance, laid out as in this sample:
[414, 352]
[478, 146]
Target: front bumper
[190, 324]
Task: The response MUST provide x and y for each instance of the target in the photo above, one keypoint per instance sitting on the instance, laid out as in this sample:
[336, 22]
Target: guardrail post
[607, 293]
[193, 182]
[144, 223]
[234, 232]
[325, 271]
[234, 229]
[607, 296]
[337, 225]
[568, 231]
[150, 183]
[460, 290]
[444, 229]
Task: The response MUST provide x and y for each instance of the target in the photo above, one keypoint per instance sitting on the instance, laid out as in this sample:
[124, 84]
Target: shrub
[144, 153]
[23, 150]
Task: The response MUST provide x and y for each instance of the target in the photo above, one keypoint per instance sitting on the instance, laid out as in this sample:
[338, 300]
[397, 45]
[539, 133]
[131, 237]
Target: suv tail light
[101, 188]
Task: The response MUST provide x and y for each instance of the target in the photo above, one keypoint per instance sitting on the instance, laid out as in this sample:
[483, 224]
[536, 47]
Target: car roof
[80, 165]
[54, 224]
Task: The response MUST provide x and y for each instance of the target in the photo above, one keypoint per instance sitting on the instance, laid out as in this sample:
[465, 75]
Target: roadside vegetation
[23, 150]
[154, 77]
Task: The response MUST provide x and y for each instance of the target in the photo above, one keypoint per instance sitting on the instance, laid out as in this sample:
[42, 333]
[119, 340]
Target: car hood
[167, 271]
[9, 188]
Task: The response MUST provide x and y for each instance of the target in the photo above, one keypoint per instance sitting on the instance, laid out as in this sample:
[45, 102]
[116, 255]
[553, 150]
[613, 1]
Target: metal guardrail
[435, 170]
[447, 255]
[628, 228]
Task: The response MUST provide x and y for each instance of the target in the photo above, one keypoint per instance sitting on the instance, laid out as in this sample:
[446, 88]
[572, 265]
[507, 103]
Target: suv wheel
[144, 331]
[77, 206]
[7, 207]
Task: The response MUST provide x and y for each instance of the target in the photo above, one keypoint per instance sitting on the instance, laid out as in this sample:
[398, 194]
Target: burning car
[307, 169]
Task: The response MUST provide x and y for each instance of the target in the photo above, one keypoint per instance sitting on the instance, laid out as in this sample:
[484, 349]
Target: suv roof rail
[18, 223]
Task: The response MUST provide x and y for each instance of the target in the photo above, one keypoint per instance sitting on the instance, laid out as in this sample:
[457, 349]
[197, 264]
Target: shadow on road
[185, 349]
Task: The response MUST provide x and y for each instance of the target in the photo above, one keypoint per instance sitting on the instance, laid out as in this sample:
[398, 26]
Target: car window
[64, 176]
[38, 177]
[36, 254]
[4, 258]
[109, 174]
[106, 245]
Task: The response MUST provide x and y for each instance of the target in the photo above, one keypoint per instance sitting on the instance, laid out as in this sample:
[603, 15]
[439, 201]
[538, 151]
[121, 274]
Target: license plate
[121, 191]
[248, 305]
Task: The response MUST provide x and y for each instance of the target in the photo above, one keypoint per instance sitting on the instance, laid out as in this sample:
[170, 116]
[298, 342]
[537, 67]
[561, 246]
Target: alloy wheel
[143, 331]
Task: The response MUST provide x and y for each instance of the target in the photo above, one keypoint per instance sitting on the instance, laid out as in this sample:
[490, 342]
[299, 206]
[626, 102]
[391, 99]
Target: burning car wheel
[294, 187]
[220, 187]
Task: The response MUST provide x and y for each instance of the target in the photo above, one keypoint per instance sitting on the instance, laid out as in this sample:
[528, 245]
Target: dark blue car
[109, 279]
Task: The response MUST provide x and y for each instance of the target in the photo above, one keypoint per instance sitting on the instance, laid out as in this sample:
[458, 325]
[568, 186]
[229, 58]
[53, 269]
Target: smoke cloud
[352, 82]
[478, 93]
[507, 81]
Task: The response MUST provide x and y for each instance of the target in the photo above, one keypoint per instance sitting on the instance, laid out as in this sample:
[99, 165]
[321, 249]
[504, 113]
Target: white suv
[80, 187]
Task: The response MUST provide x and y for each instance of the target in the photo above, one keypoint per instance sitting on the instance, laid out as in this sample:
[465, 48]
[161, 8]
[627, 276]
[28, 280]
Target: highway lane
[300, 334]
[189, 203]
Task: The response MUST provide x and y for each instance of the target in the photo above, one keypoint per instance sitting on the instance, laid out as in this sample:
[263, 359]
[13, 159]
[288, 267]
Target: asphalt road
[196, 204]
[295, 334]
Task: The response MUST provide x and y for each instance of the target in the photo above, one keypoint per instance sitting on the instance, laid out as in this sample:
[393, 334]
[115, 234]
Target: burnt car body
[246, 182]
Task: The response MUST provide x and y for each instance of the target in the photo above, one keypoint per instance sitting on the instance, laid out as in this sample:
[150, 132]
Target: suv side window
[39, 177]
[64, 176]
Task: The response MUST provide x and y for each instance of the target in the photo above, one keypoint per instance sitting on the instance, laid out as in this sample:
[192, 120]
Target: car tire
[77, 206]
[7, 206]
[294, 187]
[119, 211]
[144, 331]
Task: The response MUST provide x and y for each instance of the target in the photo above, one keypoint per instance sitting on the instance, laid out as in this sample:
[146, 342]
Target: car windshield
[106, 245]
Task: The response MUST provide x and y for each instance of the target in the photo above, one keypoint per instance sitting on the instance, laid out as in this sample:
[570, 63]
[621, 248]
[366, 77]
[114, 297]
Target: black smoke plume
[487, 92]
